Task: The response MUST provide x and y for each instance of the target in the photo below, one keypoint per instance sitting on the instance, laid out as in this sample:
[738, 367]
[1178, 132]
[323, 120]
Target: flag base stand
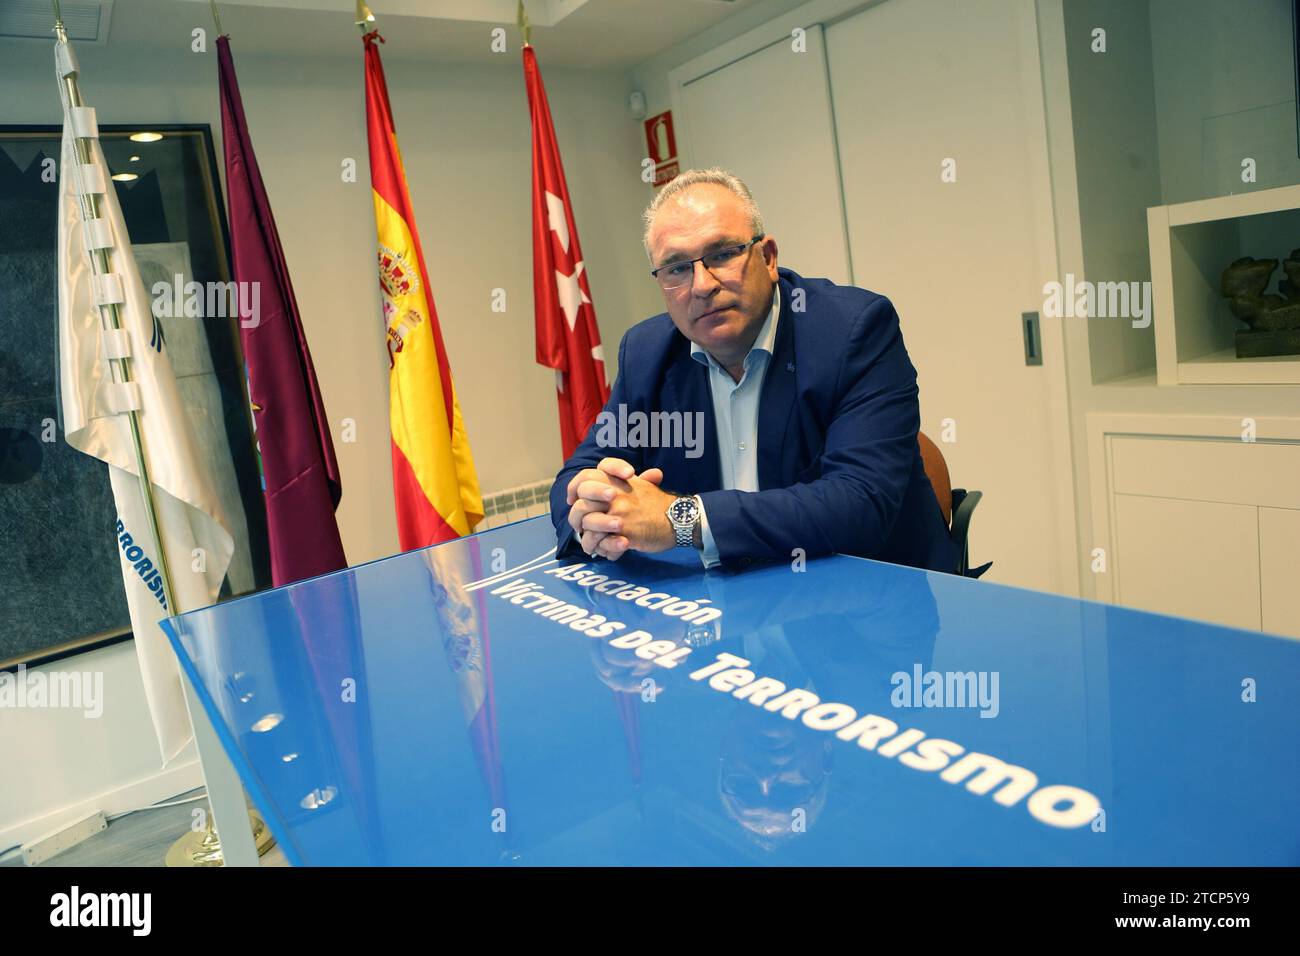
[203, 847]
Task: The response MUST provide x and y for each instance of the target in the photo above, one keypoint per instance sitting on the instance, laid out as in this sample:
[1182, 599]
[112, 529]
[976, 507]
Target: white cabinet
[1279, 558]
[1190, 558]
[1194, 521]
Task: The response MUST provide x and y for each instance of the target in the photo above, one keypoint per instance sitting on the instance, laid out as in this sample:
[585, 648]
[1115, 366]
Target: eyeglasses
[722, 263]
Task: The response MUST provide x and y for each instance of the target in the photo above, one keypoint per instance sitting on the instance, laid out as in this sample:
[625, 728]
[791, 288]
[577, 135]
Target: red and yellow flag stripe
[434, 482]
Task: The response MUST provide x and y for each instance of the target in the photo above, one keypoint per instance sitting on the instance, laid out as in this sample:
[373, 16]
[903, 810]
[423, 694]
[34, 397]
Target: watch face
[682, 511]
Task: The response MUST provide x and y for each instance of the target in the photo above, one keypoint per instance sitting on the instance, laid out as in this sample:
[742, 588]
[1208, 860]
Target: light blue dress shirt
[735, 410]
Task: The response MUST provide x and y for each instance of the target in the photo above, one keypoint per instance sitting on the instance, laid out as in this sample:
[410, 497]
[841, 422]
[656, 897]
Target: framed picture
[62, 585]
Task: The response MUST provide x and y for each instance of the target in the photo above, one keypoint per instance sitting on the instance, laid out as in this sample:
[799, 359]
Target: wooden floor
[138, 839]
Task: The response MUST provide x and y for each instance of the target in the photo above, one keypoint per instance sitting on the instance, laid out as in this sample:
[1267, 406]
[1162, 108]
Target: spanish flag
[434, 483]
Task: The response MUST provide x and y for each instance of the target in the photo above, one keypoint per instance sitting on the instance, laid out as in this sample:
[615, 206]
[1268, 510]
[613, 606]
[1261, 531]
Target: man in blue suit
[781, 411]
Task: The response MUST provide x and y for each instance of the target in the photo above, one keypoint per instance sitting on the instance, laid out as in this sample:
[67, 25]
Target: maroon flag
[300, 474]
[567, 337]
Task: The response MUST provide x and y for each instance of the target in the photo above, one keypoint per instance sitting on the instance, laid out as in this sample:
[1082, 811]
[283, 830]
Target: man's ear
[769, 256]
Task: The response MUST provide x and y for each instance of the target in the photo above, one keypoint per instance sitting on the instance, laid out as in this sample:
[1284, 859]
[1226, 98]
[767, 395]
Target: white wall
[1100, 138]
[58, 766]
[1118, 165]
[651, 77]
[465, 140]
[1225, 90]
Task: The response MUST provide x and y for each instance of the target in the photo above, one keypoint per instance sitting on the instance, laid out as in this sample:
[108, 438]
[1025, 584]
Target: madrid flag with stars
[567, 338]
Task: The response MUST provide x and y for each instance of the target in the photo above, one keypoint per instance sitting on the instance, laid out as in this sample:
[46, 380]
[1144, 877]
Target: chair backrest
[936, 469]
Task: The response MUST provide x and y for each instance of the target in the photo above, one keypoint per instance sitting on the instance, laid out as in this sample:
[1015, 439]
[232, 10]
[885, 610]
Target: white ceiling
[604, 34]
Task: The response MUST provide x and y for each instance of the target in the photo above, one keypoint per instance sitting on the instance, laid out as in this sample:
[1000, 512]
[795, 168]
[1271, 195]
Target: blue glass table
[482, 703]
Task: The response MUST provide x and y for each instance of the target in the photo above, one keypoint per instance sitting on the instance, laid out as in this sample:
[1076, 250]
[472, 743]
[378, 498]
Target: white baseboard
[142, 792]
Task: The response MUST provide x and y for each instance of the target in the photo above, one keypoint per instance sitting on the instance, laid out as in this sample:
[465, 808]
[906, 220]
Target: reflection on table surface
[471, 704]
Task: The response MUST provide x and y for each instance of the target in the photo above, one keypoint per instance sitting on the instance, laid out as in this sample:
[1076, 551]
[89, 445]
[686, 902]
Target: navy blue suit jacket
[839, 468]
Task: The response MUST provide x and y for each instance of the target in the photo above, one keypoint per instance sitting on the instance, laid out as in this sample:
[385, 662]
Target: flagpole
[193, 849]
[100, 262]
[364, 16]
[525, 27]
[216, 18]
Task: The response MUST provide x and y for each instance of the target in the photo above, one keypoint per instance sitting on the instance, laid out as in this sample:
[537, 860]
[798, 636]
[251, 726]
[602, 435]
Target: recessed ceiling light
[135, 159]
[145, 137]
[318, 798]
[269, 722]
[125, 177]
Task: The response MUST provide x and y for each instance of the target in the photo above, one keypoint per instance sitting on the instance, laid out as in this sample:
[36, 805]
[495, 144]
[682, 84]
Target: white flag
[96, 417]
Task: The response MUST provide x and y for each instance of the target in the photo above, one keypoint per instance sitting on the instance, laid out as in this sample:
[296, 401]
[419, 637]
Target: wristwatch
[684, 515]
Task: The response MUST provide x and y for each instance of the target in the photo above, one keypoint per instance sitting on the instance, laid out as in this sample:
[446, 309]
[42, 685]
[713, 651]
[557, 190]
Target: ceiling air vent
[85, 20]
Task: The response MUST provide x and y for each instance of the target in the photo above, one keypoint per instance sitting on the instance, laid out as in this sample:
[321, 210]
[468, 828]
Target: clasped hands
[613, 510]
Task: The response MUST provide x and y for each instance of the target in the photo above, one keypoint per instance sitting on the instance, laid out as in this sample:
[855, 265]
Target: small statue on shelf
[1274, 320]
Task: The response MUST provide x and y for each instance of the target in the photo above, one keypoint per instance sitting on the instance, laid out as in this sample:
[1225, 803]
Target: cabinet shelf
[1191, 244]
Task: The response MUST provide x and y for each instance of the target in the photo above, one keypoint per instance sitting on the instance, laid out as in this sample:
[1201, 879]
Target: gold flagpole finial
[525, 27]
[60, 31]
[364, 16]
[216, 17]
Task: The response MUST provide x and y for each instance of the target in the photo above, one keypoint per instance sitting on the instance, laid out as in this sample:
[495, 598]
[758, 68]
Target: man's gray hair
[697, 177]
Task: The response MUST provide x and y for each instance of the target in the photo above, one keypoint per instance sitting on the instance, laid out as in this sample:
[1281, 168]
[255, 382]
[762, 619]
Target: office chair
[956, 504]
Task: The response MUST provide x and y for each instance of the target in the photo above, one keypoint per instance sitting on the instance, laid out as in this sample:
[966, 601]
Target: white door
[767, 117]
[920, 88]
